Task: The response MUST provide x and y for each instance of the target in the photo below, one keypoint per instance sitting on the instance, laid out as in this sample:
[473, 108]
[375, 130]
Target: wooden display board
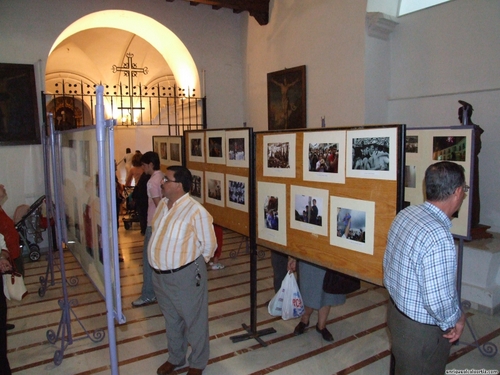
[426, 146]
[362, 184]
[219, 160]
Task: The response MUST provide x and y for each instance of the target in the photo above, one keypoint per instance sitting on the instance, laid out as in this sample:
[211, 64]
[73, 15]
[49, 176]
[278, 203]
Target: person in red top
[11, 235]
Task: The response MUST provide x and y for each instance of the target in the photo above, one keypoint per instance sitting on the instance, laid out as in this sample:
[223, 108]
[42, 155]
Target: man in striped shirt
[183, 240]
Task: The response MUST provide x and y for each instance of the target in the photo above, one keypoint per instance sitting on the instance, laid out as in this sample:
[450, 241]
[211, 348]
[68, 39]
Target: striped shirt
[180, 234]
[420, 266]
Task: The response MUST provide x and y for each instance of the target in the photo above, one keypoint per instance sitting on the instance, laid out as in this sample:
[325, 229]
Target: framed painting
[19, 123]
[286, 98]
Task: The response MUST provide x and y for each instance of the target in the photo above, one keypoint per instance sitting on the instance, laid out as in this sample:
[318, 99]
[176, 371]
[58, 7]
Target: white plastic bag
[276, 304]
[293, 307]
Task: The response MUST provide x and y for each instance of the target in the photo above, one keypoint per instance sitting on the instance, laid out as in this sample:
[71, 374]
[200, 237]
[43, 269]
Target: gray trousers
[185, 308]
[147, 291]
[418, 349]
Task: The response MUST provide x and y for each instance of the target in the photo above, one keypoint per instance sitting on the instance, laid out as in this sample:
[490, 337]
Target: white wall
[328, 36]
[443, 54]
[28, 28]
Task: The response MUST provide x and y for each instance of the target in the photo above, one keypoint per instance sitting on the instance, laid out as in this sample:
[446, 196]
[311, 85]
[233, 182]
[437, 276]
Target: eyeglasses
[165, 180]
[465, 188]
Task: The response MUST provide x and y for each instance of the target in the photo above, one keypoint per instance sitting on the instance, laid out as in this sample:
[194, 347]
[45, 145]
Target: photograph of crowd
[271, 212]
[324, 157]
[236, 191]
[370, 153]
[236, 148]
[351, 224]
[278, 155]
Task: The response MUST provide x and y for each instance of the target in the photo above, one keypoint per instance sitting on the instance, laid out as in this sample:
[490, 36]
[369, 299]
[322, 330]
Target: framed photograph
[310, 210]
[372, 153]
[411, 144]
[197, 187]
[216, 146]
[169, 149]
[18, 105]
[286, 98]
[279, 155]
[325, 152]
[214, 188]
[196, 142]
[271, 212]
[237, 192]
[352, 224]
[237, 148]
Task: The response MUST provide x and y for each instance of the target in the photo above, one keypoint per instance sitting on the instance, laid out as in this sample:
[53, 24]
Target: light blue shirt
[420, 266]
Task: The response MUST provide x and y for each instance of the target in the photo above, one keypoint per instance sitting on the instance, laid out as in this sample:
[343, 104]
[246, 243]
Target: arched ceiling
[89, 55]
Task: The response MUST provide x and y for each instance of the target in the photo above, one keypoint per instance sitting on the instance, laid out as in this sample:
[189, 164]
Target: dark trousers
[418, 349]
[279, 261]
[4, 362]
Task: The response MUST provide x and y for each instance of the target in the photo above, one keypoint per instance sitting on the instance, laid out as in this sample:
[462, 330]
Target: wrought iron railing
[73, 106]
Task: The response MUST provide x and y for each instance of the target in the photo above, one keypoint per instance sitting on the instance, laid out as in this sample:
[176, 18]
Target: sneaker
[139, 302]
[217, 266]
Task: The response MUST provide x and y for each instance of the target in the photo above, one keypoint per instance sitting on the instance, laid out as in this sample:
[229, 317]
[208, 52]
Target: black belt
[161, 272]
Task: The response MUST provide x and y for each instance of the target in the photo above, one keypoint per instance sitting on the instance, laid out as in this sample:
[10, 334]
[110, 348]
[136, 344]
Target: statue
[464, 115]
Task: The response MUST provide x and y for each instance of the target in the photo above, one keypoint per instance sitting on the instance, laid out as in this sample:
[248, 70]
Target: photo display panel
[329, 196]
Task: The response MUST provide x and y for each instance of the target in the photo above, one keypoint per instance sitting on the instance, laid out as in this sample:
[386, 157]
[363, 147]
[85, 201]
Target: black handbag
[338, 283]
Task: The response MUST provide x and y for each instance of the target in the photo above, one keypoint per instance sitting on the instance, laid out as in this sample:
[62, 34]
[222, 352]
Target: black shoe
[327, 336]
[9, 326]
[301, 327]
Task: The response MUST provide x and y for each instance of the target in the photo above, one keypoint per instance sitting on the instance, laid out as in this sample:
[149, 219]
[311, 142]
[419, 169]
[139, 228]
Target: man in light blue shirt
[420, 266]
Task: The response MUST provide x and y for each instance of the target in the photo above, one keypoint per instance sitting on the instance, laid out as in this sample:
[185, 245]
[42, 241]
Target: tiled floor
[359, 326]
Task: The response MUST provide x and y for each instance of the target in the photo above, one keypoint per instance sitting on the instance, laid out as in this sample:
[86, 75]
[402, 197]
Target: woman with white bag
[311, 286]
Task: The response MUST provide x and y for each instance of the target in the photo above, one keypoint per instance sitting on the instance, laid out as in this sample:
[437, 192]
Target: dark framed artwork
[19, 123]
[286, 98]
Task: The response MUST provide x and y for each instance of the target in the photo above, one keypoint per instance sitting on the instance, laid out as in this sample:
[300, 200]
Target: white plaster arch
[160, 37]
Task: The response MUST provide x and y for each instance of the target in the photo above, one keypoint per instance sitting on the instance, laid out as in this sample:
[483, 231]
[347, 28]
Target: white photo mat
[214, 188]
[200, 183]
[301, 196]
[287, 144]
[216, 140]
[265, 191]
[237, 158]
[197, 138]
[363, 217]
[337, 137]
[367, 134]
[237, 199]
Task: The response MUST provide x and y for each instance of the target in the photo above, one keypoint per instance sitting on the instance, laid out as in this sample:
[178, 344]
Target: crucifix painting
[286, 98]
